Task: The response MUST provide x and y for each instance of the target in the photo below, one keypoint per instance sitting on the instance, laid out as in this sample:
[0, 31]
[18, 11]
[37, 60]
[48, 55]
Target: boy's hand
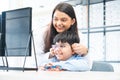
[51, 53]
[51, 67]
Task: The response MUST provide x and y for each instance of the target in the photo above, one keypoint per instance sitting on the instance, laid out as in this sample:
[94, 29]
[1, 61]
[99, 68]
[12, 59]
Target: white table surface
[46, 75]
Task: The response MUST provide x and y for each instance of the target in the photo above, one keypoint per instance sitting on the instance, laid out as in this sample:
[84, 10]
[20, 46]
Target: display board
[16, 30]
[2, 42]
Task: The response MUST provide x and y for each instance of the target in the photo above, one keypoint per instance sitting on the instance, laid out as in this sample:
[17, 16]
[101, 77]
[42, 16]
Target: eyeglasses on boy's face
[62, 45]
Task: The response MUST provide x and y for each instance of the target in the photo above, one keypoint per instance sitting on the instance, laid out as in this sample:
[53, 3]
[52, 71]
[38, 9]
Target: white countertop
[47, 75]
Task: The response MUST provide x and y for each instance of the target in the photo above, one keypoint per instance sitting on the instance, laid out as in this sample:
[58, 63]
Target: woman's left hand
[79, 49]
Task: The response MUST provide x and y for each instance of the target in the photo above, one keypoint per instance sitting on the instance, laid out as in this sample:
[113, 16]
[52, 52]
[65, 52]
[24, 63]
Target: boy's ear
[73, 51]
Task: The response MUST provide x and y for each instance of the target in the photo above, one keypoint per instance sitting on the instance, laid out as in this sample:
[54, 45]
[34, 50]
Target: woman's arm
[39, 35]
[81, 48]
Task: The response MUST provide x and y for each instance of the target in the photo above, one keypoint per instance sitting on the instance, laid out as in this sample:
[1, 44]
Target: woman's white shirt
[39, 46]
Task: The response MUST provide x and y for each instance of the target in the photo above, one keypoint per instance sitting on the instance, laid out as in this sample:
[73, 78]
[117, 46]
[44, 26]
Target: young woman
[63, 19]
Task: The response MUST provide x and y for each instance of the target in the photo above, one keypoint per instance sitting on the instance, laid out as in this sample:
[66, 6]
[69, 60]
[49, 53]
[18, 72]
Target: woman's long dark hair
[51, 32]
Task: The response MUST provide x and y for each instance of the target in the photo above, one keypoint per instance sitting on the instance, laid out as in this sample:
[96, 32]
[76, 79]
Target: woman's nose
[59, 23]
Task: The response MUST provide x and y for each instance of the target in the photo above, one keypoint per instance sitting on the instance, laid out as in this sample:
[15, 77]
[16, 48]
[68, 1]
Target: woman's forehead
[59, 14]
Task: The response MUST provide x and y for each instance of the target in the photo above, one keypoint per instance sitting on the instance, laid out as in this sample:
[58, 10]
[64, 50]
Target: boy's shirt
[74, 63]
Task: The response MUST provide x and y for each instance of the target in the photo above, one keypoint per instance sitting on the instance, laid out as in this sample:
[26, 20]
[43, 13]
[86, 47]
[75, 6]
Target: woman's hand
[79, 49]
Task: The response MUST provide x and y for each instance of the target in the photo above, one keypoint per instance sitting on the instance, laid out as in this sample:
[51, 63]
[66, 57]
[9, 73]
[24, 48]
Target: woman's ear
[73, 21]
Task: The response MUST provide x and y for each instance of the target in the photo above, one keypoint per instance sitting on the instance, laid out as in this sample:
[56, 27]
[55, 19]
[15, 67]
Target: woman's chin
[59, 31]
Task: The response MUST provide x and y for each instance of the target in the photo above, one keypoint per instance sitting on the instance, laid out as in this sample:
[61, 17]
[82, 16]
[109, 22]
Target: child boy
[64, 56]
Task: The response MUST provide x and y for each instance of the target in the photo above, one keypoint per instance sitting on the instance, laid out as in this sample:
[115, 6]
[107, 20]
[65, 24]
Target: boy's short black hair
[67, 36]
